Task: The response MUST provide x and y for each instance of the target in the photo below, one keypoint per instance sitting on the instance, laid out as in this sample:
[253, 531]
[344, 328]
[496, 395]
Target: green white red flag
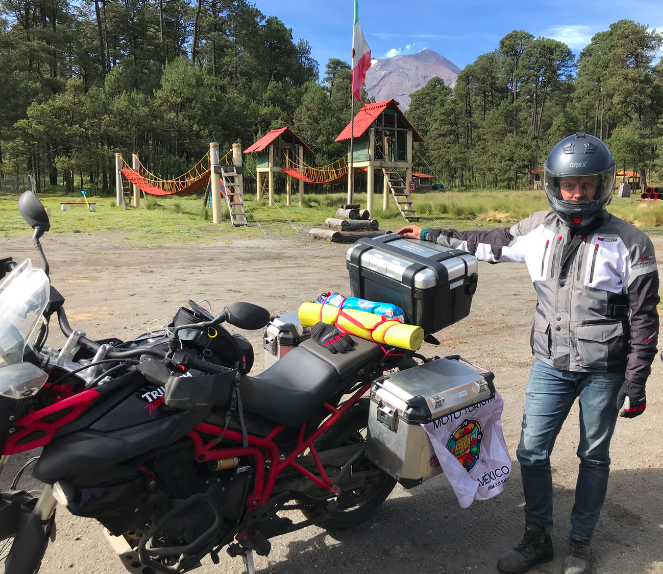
[361, 56]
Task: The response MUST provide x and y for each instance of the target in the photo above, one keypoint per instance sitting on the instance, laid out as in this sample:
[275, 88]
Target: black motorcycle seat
[294, 389]
[345, 364]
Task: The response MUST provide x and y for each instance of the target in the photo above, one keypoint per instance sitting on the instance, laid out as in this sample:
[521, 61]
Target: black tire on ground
[347, 430]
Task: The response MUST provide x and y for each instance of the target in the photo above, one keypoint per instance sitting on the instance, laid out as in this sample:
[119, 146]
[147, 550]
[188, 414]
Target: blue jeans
[549, 397]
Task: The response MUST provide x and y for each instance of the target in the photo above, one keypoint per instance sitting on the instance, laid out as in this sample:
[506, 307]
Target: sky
[458, 30]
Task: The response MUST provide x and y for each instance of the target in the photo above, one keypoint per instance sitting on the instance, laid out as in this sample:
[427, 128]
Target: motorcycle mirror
[34, 213]
[246, 316]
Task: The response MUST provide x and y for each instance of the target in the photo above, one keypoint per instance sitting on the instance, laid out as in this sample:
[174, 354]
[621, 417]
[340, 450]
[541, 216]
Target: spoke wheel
[354, 506]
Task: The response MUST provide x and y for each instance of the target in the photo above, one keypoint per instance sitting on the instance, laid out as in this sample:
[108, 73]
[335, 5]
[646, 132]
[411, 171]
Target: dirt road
[113, 290]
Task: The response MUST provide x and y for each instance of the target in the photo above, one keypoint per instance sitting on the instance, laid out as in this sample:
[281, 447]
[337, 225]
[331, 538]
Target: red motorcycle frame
[258, 446]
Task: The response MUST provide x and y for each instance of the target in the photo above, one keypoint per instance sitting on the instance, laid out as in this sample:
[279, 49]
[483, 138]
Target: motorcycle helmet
[579, 156]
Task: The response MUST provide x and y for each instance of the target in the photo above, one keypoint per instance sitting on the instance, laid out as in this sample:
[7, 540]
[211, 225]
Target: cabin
[422, 181]
[277, 151]
[382, 139]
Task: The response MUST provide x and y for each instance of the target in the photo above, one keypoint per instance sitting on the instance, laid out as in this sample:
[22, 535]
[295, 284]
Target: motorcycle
[167, 441]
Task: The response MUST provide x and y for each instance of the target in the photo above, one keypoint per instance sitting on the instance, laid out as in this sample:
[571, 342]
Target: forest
[510, 106]
[80, 81]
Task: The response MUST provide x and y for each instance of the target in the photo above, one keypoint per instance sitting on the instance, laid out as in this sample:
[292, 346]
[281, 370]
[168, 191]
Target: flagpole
[352, 136]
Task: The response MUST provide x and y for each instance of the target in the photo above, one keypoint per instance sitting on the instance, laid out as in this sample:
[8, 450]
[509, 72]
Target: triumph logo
[578, 164]
[154, 398]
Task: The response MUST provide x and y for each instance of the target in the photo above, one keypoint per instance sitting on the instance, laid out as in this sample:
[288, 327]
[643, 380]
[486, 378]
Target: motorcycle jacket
[597, 289]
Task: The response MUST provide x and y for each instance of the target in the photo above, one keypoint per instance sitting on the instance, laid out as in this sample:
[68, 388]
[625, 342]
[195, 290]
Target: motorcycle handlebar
[207, 367]
[94, 347]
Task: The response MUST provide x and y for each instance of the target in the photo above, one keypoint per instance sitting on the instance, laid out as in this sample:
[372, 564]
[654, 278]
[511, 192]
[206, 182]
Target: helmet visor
[580, 190]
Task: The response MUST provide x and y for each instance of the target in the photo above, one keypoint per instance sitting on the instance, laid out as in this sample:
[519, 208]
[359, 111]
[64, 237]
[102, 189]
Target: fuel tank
[127, 420]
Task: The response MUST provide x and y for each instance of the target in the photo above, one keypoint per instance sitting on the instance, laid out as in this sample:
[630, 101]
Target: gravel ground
[112, 290]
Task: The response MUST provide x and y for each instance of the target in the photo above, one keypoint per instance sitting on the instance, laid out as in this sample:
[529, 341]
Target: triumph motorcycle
[166, 440]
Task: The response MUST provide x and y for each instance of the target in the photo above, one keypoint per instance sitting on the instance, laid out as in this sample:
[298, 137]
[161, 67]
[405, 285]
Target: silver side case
[401, 447]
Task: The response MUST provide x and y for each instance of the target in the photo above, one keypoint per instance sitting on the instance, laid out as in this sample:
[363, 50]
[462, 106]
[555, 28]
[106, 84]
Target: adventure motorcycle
[166, 440]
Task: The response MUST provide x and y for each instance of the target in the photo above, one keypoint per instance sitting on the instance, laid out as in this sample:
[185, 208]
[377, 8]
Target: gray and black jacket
[597, 292]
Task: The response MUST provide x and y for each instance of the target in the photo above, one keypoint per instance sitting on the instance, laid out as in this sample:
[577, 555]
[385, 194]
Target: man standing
[594, 335]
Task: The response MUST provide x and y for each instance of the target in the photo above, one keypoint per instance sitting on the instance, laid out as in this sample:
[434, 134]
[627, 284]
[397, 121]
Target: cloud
[573, 36]
[393, 52]
[409, 47]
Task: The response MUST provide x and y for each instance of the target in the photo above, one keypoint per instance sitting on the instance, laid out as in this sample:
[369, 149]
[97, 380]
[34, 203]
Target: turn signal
[64, 493]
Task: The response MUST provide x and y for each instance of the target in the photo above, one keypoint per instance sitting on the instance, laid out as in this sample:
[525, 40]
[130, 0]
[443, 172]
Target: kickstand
[248, 562]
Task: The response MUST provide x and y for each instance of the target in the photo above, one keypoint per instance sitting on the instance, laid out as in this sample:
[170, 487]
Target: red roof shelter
[277, 152]
[383, 140]
[368, 115]
[269, 137]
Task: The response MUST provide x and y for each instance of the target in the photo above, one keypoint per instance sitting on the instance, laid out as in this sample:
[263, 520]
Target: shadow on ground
[425, 531]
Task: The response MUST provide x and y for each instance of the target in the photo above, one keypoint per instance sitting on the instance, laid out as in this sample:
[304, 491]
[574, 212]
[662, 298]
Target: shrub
[151, 203]
[205, 214]
[426, 208]
[441, 207]
[176, 207]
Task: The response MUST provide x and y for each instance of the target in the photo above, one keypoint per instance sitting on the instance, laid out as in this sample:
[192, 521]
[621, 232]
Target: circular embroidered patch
[465, 443]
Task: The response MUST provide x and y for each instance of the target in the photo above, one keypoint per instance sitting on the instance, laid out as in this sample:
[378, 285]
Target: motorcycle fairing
[38, 427]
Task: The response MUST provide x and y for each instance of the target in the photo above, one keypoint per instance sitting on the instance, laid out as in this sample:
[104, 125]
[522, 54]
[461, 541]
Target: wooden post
[370, 174]
[370, 185]
[271, 175]
[301, 170]
[136, 165]
[215, 179]
[259, 187]
[237, 162]
[408, 171]
[288, 186]
[386, 193]
[119, 194]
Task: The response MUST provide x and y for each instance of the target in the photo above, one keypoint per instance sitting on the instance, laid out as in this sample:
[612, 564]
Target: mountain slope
[400, 76]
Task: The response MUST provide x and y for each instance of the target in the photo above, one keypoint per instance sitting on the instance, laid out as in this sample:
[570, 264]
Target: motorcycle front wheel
[357, 505]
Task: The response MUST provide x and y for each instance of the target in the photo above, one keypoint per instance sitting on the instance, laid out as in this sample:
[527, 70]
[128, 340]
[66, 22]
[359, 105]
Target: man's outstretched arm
[492, 245]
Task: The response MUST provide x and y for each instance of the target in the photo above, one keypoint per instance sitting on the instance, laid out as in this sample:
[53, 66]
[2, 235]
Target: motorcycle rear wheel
[350, 429]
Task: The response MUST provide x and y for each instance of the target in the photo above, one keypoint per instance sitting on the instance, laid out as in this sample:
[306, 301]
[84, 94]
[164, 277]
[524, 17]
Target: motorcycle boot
[535, 547]
[578, 557]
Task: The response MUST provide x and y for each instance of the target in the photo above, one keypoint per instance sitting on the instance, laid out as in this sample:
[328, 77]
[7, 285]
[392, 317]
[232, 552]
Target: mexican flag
[361, 56]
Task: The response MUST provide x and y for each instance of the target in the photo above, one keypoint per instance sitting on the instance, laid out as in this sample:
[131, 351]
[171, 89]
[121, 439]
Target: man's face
[578, 188]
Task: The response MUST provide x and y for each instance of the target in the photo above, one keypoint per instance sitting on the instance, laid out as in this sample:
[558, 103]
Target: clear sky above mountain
[459, 30]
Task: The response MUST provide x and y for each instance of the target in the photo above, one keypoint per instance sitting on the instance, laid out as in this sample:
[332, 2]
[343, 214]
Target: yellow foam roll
[392, 333]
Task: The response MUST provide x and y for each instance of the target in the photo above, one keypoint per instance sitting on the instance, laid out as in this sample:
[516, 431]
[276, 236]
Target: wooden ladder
[234, 196]
[401, 193]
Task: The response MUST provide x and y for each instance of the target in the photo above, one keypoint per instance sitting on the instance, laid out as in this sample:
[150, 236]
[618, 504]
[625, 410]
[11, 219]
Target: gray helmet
[580, 155]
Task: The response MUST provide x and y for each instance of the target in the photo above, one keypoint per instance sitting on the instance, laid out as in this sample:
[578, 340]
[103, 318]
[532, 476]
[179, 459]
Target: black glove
[632, 397]
[331, 338]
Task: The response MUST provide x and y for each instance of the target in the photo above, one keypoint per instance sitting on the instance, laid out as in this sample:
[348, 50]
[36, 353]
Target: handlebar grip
[207, 367]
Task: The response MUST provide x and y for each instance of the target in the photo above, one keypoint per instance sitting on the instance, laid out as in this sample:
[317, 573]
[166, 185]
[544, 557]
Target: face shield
[579, 196]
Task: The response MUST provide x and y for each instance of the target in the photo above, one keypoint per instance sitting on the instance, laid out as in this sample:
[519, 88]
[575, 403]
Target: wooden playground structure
[383, 139]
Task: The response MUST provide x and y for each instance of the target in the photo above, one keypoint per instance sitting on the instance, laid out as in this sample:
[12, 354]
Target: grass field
[184, 220]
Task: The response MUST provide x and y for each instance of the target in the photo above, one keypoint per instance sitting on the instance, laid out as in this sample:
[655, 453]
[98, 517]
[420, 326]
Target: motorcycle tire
[25, 551]
[348, 430]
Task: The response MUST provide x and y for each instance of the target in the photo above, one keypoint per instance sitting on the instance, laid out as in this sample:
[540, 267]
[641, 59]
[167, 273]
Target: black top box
[433, 285]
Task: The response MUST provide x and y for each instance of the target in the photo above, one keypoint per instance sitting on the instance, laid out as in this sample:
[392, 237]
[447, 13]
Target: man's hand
[410, 231]
[632, 397]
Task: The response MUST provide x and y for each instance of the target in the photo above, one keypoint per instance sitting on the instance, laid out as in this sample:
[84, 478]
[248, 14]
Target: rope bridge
[332, 173]
[193, 180]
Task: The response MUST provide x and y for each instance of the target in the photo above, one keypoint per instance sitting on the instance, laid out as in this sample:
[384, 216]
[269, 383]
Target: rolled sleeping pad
[657, 190]
[648, 189]
[374, 327]
[644, 196]
[659, 196]
[652, 195]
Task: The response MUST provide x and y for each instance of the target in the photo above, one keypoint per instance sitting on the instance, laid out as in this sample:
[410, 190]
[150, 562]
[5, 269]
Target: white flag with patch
[470, 448]
[361, 56]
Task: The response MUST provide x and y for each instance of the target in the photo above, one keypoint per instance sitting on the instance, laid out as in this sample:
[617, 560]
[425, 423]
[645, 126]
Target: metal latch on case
[386, 415]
